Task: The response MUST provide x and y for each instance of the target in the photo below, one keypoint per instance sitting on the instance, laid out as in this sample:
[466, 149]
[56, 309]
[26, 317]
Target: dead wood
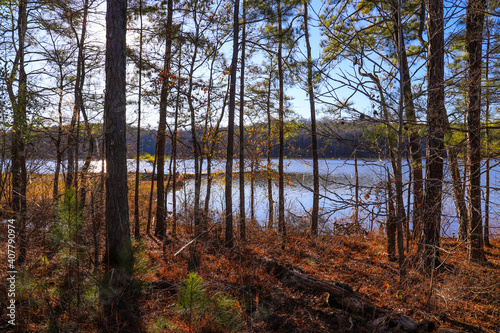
[343, 297]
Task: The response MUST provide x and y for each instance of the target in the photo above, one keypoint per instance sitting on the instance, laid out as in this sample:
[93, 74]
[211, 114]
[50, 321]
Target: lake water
[336, 191]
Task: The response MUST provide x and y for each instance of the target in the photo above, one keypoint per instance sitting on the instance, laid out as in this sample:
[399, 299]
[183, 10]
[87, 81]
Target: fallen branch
[194, 240]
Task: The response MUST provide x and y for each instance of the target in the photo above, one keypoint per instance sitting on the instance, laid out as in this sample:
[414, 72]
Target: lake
[337, 179]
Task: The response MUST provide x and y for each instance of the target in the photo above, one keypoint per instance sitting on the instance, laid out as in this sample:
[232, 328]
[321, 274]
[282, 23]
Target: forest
[249, 166]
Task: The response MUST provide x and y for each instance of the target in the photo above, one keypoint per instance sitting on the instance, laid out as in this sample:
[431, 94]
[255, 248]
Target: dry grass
[462, 295]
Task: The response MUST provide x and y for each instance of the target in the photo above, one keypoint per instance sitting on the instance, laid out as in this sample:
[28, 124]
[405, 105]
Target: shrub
[196, 306]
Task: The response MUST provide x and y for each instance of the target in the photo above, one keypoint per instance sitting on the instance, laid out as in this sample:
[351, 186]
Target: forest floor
[460, 294]
[236, 290]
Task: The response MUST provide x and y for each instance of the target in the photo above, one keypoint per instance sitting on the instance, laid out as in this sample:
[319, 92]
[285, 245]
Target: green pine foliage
[198, 308]
[68, 224]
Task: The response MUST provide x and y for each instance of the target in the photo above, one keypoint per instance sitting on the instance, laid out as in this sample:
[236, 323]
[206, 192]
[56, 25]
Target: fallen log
[342, 296]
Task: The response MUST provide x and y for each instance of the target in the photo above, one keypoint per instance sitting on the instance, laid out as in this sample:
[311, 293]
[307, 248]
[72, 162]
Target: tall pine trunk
[119, 291]
[281, 124]
[269, 170]
[18, 147]
[314, 136]
[230, 130]
[473, 44]
[160, 228]
[242, 129]
[436, 128]
[137, 233]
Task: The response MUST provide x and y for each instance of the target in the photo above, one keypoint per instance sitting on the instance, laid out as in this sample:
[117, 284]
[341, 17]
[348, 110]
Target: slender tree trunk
[242, 128]
[487, 139]
[436, 123]
[160, 229]
[411, 122]
[270, 222]
[458, 193]
[211, 153]
[58, 147]
[150, 205]
[230, 130]
[174, 149]
[19, 103]
[391, 221]
[473, 44]
[137, 233]
[71, 178]
[398, 172]
[197, 154]
[356, 189]
[252, 190]
[314, 137]
[281, 183]
[88, 132]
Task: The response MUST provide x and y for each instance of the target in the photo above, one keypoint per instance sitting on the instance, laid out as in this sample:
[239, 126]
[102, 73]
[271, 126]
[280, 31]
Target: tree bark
[314, 136]
[160, 228]
[230, 130]
[18, 147]
[118, 294]
[281, 124]
[436, 124]
[242, 128]
[458, 193]
[137, 233]
[411, 122]
[487, 139]
[473, 44]
[270, 223]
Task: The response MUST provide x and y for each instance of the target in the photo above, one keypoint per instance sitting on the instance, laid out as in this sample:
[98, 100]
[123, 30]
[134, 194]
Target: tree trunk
[160, 228]
[458, 193]
[487, 139]
[281, 183]
[391, 222]
[174, 149]
[150, 202]
[314, 136]
[197, 154]
[19, 103]
[436, 124]
[242, 128]
[137, 233]
[230, 130]
[119, 292]
[71, 179]
[473, 44]
[59, 151]
[411, 122]
[269, 170]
